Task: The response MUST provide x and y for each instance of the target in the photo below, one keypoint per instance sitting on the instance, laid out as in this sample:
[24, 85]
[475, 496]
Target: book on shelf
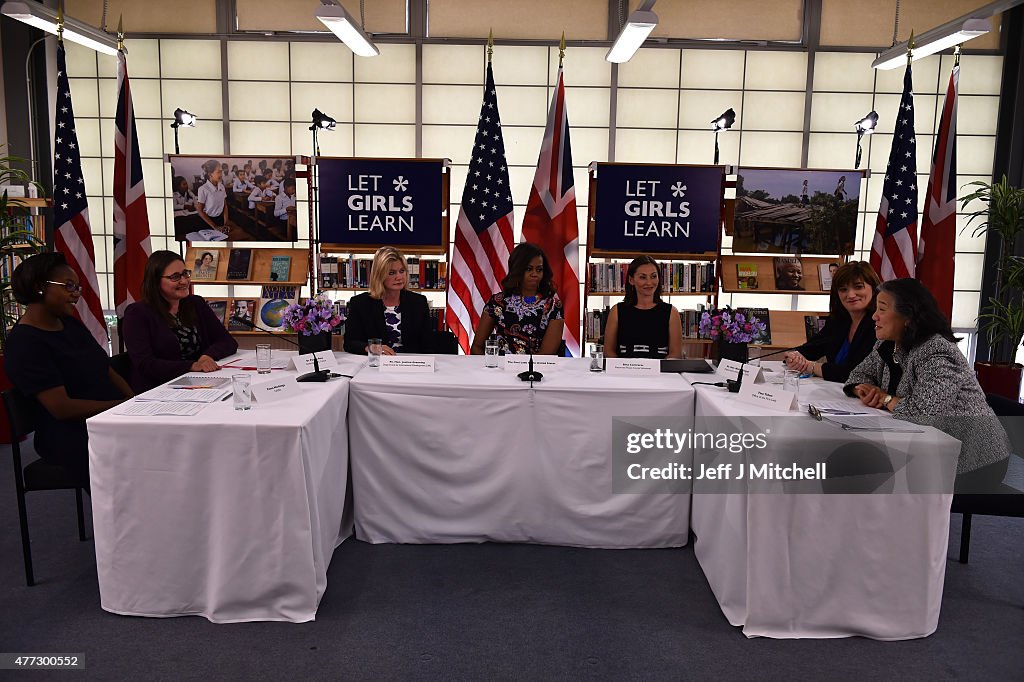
[762, 316]
[610, 278]
[244, 308]
[814, 324]
[219, 306]
[274, 299]
[825, 272]
[789, 273]
[413, 272]
[239, 264]
[746, 275]
[280, 268]
[204, 269]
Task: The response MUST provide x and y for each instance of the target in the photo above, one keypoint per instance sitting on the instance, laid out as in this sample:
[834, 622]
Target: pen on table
[226, 397]
[191, 388]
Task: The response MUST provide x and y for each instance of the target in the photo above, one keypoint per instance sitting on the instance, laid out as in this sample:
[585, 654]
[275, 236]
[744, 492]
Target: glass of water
[373, 350]
[491, 352]
[597, 358]
[791, 381]
[263, 358]
[241, 387]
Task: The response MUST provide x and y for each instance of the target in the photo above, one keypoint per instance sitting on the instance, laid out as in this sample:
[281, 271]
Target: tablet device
[697, 366]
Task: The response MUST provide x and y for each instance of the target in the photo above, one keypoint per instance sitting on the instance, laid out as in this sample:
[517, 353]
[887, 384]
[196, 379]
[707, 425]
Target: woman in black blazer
[849, 335]
[389, 311]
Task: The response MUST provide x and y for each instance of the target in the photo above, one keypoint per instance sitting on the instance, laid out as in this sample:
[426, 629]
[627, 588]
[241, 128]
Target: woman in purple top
[171, 331]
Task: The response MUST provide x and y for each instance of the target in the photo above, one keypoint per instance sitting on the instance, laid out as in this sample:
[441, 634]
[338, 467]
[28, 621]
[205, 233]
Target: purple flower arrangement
[730, 326]
[315, 316]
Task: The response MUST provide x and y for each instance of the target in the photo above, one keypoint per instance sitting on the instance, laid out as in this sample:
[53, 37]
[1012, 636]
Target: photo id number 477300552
[42, 661]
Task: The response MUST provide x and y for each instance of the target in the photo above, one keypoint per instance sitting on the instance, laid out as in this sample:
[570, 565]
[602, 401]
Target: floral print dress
[520, 321]
[393, 326]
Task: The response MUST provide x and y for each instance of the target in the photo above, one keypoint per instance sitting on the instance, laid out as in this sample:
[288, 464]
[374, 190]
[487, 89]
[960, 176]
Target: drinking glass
[263, 358]
[791, 381]
[241, 387]
[374, 351]
[491, 353]
[597, 358]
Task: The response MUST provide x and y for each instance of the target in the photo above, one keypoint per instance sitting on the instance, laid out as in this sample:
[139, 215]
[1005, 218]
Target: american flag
[70, 208]
[935, 260]
[131, 221]
[483, 234]
[550, 220]
[894, 249]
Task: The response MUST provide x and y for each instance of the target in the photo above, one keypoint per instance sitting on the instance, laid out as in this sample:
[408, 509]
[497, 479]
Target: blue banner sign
[381, 201]
[658, 209]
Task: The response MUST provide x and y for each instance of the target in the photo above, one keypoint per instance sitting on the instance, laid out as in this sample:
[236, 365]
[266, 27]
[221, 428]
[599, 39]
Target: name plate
[771, 398]
[407, 363]
[272, 391]
[753, 374]
[728, 369]
[633, 366]
[304, 363]
[522, 362]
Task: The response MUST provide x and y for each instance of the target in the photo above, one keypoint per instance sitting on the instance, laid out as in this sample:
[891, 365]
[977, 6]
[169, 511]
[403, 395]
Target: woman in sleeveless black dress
[643, 326]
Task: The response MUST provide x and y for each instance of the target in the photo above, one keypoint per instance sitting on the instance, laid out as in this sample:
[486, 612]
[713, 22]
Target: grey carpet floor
[469, 612]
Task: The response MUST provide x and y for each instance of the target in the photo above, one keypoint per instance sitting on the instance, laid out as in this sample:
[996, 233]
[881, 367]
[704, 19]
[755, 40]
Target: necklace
[895, 353]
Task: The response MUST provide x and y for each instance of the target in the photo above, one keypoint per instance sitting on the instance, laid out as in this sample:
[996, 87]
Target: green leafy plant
[16, 241]
[1002, 319]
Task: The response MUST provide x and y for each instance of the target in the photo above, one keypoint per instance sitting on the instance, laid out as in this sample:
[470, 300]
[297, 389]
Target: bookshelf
[765, 266]
[260, 267]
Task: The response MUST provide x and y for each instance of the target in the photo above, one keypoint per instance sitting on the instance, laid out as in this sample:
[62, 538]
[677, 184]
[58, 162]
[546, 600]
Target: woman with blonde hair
[389, 311]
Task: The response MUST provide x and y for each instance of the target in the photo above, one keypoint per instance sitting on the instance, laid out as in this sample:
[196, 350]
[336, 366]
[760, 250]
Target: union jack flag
[550, 220]
[131, 220]
[936, 262]
[894, 249]
[70, 208]
[483, 234]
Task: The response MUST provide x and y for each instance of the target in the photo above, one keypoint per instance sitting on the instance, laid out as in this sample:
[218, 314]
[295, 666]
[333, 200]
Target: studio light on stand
[335, 17]
[865, 126]
[723, 122]
[634, 32]
[182, 118]
[321, 121]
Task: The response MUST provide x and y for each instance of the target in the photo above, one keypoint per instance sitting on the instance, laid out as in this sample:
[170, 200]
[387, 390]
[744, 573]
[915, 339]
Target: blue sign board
[658, 209]
[381, 201]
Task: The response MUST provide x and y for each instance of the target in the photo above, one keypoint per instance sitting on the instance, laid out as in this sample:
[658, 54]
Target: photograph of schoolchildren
[233, 197]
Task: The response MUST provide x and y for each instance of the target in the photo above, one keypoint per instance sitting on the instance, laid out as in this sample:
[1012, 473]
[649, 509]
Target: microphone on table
[734, 384]
[530, 374]
[316, 376]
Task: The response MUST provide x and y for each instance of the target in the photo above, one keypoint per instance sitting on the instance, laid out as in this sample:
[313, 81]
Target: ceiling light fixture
[634, 32]
[44, 18]
[341, 23]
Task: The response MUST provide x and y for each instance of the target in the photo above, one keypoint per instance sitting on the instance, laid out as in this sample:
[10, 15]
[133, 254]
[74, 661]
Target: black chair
[445, 343]
[1006, 501]
[122, 364]
[36, 476]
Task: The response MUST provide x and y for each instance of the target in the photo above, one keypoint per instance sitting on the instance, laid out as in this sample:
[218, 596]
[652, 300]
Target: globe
[272, 313]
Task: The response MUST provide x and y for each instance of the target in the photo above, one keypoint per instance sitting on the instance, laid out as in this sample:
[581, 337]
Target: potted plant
[1002, 318]
[732, 330]
[16, 243]
[313, 320]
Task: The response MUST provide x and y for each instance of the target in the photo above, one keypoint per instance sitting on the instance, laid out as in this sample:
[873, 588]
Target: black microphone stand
[316, 376]
[531, 374]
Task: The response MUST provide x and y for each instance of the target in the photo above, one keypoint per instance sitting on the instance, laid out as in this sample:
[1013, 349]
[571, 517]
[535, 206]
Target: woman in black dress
[53, 358]
[643, 326]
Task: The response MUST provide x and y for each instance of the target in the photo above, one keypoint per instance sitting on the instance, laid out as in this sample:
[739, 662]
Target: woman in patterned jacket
[917, 372]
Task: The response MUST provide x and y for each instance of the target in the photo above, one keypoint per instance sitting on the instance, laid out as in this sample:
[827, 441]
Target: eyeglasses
[70, 287]
[176, 277]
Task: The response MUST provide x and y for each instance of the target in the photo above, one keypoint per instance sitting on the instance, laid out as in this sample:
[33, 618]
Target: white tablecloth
[827, 565]
[229, 515]
[469, 454]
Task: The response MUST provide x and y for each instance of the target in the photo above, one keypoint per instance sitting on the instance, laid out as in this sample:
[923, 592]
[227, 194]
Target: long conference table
[234, 516]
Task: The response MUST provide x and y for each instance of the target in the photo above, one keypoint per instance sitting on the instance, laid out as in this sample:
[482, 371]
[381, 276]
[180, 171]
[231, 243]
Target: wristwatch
[885, 402]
